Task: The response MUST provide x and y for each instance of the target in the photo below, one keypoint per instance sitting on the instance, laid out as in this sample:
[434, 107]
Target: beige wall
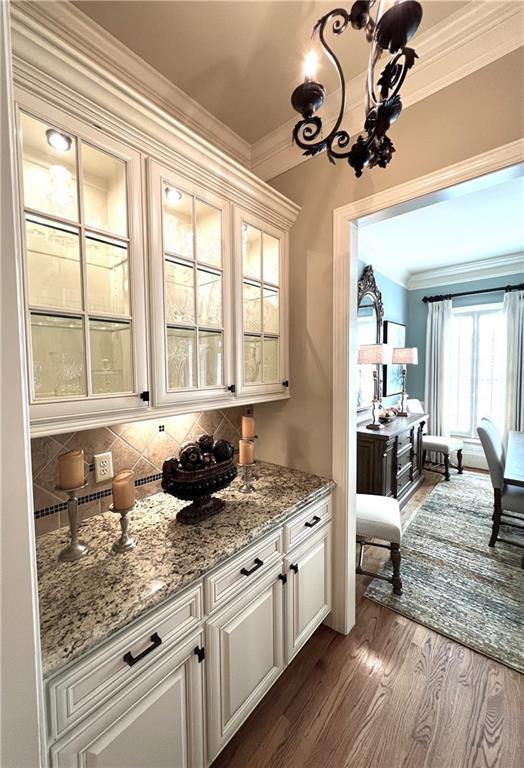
[474, 115]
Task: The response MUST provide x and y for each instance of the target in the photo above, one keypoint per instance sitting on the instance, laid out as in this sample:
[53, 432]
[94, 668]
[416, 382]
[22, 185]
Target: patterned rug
[452, 581]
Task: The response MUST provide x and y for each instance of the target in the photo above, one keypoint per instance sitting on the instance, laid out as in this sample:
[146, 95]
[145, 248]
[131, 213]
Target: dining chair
[378, 517]
[439, 444]
[508, 499]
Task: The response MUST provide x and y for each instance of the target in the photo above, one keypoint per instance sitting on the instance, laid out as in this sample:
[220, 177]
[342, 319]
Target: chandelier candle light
[376, 355]
[388, 32]
[404, 356]
[246, 448]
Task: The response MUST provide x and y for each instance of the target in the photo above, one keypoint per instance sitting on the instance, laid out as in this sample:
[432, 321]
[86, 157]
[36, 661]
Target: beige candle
[247, 451]
[124, 489]
[248, 427]
[71, 469]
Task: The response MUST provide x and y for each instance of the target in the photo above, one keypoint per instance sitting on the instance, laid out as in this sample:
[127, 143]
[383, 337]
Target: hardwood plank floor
[392, 694]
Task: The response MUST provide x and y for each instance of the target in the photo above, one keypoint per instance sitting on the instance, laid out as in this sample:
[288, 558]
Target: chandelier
[388, 32]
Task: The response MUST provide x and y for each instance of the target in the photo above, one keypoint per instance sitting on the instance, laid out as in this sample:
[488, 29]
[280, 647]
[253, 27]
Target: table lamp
[375, 354]
[404, 356]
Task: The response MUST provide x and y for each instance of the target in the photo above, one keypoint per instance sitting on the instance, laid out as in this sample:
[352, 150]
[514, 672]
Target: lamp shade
[375, 354]
[405, 355]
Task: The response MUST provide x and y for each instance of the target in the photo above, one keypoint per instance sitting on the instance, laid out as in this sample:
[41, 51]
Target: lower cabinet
[308, 589]
[245, 653]
[158, 722]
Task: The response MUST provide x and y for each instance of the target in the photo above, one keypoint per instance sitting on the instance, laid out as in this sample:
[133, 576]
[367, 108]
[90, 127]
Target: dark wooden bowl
[197, 486]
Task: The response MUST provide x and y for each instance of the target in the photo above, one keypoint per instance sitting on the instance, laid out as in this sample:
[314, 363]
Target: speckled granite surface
[83, 603]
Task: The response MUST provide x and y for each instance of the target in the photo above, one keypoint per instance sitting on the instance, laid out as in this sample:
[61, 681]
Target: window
[478, 349]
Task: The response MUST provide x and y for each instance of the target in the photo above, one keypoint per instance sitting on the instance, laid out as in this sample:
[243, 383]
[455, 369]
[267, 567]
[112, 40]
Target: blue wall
[407, 307]
[417, 313]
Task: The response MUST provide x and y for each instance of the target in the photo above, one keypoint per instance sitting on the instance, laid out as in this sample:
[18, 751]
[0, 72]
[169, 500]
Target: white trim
[345, 277]
[510, 264]
[22, 706]
[84, 39]
[467, 40]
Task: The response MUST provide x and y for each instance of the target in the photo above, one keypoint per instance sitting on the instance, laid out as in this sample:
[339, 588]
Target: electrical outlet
[249, 410]
[103, 466]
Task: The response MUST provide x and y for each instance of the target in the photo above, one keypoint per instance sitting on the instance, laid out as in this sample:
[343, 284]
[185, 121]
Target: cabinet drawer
[238, 573]
[404, 480]
[404, 459]
[88, 683]
[306, 523]
[404, 439]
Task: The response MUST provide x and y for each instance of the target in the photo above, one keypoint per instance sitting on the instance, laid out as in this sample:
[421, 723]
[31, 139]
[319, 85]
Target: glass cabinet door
[191, 289]
[261, 277]
[85, 303]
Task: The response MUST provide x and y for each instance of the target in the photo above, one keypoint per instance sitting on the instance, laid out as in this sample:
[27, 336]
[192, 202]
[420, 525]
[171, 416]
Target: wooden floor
[391, 694]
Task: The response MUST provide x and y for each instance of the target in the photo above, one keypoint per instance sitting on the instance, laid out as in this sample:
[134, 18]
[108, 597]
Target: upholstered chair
[443, 446]
[378, 517]
[508, 505]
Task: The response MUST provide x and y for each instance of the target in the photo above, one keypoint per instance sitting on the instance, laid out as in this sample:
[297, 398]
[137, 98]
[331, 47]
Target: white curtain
[437, 366]
[514, 314]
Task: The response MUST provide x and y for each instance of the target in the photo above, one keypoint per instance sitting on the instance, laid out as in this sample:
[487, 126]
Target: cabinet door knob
[200, 654]
[155, 642]
[258, 564]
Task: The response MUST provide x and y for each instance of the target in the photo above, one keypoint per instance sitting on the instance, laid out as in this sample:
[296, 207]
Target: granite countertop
[84, 603]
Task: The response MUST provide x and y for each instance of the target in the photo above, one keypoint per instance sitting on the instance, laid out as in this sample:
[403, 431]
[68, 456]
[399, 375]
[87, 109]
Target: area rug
[452, 581]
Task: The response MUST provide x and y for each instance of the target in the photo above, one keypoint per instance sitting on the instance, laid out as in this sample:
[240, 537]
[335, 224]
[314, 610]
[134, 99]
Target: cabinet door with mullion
[261, 307]
[83, 269]
[191, 291]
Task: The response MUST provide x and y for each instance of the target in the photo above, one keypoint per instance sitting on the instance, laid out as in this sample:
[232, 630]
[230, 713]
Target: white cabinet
[80, 192]
[158, 722]
[308, 589]
[261, 275]
[244, 656]
[190, 255]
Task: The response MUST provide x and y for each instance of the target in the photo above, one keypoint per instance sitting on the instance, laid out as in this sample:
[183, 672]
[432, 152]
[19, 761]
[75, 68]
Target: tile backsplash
[142, 446]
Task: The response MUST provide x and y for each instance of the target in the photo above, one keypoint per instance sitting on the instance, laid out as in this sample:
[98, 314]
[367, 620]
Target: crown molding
[86, 40]
[464, 42]
[498, 266]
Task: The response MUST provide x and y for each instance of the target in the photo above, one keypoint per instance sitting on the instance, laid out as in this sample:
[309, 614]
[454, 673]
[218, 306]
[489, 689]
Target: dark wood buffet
[389, 460]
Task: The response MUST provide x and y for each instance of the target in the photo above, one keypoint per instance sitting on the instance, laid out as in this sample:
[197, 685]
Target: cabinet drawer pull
[155, 642]
[200, 654]
[247, 572]
[294, 567]
[311, 523]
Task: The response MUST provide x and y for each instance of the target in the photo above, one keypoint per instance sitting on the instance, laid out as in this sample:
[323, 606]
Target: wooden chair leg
[497, 513]
[446, 466]
[459, 461]
[395, 559]
[423, 457]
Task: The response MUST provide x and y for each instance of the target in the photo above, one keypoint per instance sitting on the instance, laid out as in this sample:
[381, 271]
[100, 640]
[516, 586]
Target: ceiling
[478, 221]
[240, 60]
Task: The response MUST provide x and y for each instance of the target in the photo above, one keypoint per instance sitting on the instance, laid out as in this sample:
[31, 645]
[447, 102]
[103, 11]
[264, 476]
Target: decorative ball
[190, 456]
[222, 450]
[206, 443]
[208, 459]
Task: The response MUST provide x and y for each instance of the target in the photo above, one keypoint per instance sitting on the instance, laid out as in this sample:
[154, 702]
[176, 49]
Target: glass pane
[49, 169]
[251, 302]
[107, 277]
[271, 366]
[210, 359]
[111, 357]
[104, 180]
[252, 360]
[58, 356]
[270, 310]
[251, 251]
[208, 234]
[491, 341]
[209, 299]
[271, 251]
[53, 266]
[178, 222]
[181, 358]
[180, 295]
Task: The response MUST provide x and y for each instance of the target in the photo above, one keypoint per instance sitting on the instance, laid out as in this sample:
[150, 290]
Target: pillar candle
[248, 427]
[71, 469]
[124, 489]
[247, 451]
